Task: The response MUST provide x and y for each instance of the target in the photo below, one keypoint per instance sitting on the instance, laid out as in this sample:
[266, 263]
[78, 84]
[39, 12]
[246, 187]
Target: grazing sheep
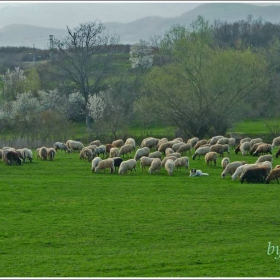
[179, 139]
[117, 162]
[74, 145]
[155, 154]
[164, 146]
[155, 165]
[245, 148]
[254, 147]
[129, 164]
[255, 174]
[94, 163]
[218, 148]
[183, 148]
[176, 146]
[224, 140]
[125, 150]
[238, 171]
[166, 158]
[225, 161]
[201, 151]
[193, 141]
[118, 143]
[11, 157]
[61, 146]
[274, 174]
[168, 151]
[51, 153]
[145, 151]
[108, 148]
[97, 143]
[104, 164]
[246, 139]
[26, 154]
[215, 139]
[181, 162]
[263, 149]
[177, 155]
[150, 142]
[196, 172]
[231, 142]
[200, 143]
[276, 142]
[100, 150]
[42, 153]
[231, 168]
[264, 158]
[169, 166]
[114, 152]
[145, 161]
[131, 142]
[254, 141]
[211, 157]
[161, 141]
[86, 153]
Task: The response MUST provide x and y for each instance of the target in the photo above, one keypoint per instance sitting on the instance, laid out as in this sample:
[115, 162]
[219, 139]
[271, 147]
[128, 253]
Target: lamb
[254, 141]
[231, 168]
[245, 148]
[183, 148]
[114, 152]
[155, 154]
[131, 142]
[11, 157]
[263, 149]
[276, 142]
[104, 164]
[94, 163]
[200, 143]
[193, 141]
[75, 145]
[51, 153]
[181, 162]
[168, 151]
[169, 166]
[155, 165]
[125, 150]
[145, 151]
[225, 161]
[129, 164]
[117, 162]
[61, 146]
[224, 140]
[201, 151]
[166, 158]
[211, 157]
[97, 143]
[264, 158]
[256, 174]
[274, 174]
[145, 161]
[118, 143]
[42, 153]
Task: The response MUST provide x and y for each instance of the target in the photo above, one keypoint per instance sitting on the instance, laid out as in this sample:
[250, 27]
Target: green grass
[58, 219]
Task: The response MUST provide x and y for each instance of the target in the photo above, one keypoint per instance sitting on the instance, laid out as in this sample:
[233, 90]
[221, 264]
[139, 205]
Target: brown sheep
[274, 174]
[263, 149]
[200, 143]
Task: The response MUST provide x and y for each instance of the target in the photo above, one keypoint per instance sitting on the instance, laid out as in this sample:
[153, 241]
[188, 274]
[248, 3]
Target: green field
[58, 219]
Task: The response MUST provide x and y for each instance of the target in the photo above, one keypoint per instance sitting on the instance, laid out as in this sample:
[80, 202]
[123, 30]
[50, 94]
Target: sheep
[200, 143]
[211, 157]
[155, 154]
[145, 151]
[86, 153]
[19, 152]
[181, 162]
[201, 151]
[237, 149]
[264, 158]
[145, 161]
[254, 147]
[101, 149]
[125, 150]
[192, 141]
[169, 166]
[61, 146]
[129, 164]
[168, 151]
[75, 145]
[161, 141]
[118, 143]
[218, 148]
[166, 158]
[245, 148]
[176, 146]
[225, 161]
[255, 174]
[42, 153]
[224, 140]
[274, 174]
[97, 143]
[117, 162]
[94, 163]
[104, 164]
[108, 148]
[11, 157]
[246, 139]
[183, 148]
[215, 139]
[177, 155]
[51, 153]
[179, 139]
[263, 149]
[196, 172]
[276, 142]
[155, 165]
[114, 152]
[254, 141]
[164, 146]
[131, 142]
[150, 142]
[238, 171]
[231, 142]
[231, 168]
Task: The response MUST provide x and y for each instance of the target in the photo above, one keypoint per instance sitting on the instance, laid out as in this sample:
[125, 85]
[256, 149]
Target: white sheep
[211, 157]
[223, 140]
[255, 141]
[177, 155]
[129, 164]
[94, 163]
[246, 139]
[118, 143]
[131, 142]
[201, 151]
[145, 151]
[200, 143]
[61, 146]
[264, 158]
[225, 161]
[155, 165]
[86, 153]
[155, 154]
[166, 158]
[239, 171]
[215, 139]
[169, 166]
[26, 154]
[101, 149]
[176, 146]
[245, 148]
[97, 143]
[168, 151]
[276, 142]
[183, 148]
[75, 145]
[165, 145]
[193, 141]
[181, 162]
[231, 168]
[145, 161]
[232, 142]
[42, 153]
[150, 142]
[114, 152]
[51, 153]
[126, 149]
[161, 141]
[104, 164]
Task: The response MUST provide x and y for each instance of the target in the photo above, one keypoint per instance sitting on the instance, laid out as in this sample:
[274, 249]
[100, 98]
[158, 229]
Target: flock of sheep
[165, 154]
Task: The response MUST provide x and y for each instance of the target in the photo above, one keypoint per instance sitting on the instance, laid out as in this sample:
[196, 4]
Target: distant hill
[143, 28]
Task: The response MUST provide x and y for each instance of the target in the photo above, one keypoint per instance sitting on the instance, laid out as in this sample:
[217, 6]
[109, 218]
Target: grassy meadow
[58, 219]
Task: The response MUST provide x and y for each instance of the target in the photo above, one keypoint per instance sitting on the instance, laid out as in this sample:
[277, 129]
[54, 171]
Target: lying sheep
[125, 150]
[131, 142]
[273, 175]
[114, 152]
[181, 162]
[156, 154]
[183, 148]
[231, 168]
[264, 158]
[200, 143]
[129, 164]
[211, 157]
[263, 149]
[42, 153]
[104, 164]
[155, 165]
[118, 143]
[201, 151]
[166, 158]
[225, 161]
[94, 163]
[169, 166]
[51, 153]
[145, 161]
[276, 142]
[117, 162]
[145, 151]
[61, 146]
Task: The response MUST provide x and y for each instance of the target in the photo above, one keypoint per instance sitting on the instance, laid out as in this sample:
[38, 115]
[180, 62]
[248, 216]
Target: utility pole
[51, 46]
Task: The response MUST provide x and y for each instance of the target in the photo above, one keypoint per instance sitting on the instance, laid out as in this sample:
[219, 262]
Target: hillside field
[58, 219]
